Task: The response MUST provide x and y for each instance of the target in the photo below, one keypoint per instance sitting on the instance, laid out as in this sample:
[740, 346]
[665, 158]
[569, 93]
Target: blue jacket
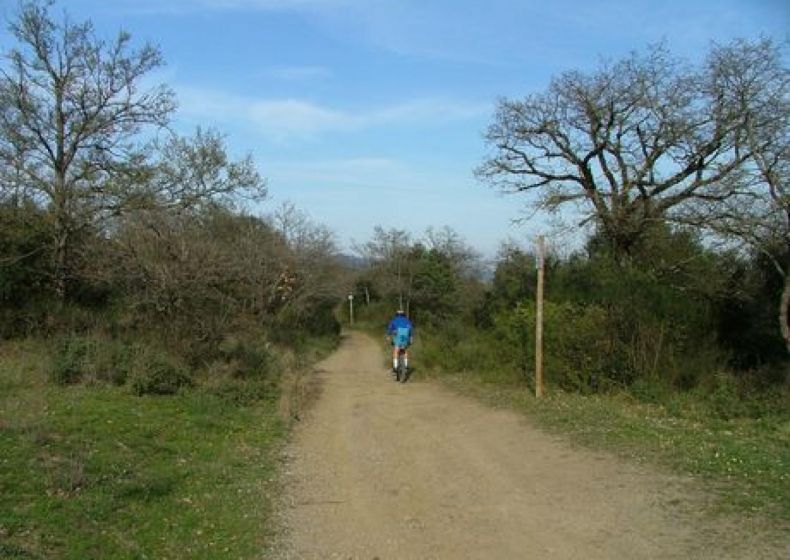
[401, 329]
[400, 322]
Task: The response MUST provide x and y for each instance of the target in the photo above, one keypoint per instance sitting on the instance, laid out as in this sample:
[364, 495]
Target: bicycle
[401, 370]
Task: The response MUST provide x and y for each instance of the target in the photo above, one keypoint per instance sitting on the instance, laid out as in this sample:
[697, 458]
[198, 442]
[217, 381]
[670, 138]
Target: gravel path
[390, 471]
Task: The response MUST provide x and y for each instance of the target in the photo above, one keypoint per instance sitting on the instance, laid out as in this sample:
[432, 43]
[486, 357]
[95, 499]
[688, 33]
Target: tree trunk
[61, 261]
[783, 312]
[62, 218]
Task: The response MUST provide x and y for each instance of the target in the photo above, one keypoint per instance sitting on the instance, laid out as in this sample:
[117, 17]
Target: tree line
[650, 140]
[677, 175]
[113, 224]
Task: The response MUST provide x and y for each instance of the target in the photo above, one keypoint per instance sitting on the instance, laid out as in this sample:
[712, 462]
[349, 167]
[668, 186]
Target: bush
[157, 373]
[295, 326]
[373, 318]
[241, 369]
[650, 390]
[93, 359]
[728, 396]
[26, 273]
[244, 371]
[69, 359]
[579, 352]
[111, 360]
[245, 360]
[460, 348]
[117, 362]
[26, 320]
[724, 399]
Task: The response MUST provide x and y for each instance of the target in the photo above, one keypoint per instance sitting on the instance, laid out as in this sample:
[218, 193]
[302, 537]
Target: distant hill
[352, 261]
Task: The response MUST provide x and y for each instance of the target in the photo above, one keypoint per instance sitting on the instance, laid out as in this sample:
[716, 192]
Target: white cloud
[286, 118]
[293, 117]
[299, 73]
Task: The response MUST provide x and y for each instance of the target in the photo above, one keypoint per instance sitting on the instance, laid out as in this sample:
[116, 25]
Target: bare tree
[311, 275]
[466, 261]
[178, 249]
[630, 143]
[194, 272]
[72, 111]
[197, 170]
[756, 86]
[389, 254]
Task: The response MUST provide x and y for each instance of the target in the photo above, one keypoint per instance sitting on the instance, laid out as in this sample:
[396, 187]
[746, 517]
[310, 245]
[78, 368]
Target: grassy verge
[744, 462]
[98, 472]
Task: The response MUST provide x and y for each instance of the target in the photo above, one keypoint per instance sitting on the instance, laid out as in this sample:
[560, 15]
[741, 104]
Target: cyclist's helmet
[400, 312]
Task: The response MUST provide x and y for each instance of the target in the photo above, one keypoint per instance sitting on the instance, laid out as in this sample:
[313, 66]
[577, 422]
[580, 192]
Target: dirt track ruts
[390, 471]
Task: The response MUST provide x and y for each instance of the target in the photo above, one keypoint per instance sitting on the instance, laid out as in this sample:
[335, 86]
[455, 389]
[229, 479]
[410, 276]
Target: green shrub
[651, 390]
[579, 353]
[295, 326]
[111, 361]
[246, 360]
[723, 397]
[244, 372]
[93, 359]
[26, 271]
[117, 362]
[156, 373]
[728, 396]
[69, 359]
[374, 316]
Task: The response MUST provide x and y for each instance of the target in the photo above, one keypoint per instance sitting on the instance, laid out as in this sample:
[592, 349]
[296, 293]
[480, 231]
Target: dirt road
[389, 471]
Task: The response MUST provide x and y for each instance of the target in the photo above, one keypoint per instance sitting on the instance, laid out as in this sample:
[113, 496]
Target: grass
[97, 472]
[744, 462]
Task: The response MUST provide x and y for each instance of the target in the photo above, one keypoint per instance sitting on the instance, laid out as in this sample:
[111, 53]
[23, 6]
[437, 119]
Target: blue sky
[371, 112]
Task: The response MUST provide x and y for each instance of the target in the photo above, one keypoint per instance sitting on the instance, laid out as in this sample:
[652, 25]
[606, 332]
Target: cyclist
[400, 330]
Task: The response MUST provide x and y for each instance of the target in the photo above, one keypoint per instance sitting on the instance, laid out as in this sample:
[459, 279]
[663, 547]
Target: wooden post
[539, 321]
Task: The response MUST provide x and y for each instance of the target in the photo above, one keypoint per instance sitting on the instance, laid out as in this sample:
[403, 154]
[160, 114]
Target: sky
[372, 112]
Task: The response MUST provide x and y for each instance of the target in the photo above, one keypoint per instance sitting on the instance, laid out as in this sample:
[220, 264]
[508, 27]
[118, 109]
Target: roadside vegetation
[154, 332]
[96, 471]
[166, 465]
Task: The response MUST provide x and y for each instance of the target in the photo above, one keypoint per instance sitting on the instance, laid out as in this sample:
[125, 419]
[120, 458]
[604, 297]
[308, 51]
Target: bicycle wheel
[401, 373]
